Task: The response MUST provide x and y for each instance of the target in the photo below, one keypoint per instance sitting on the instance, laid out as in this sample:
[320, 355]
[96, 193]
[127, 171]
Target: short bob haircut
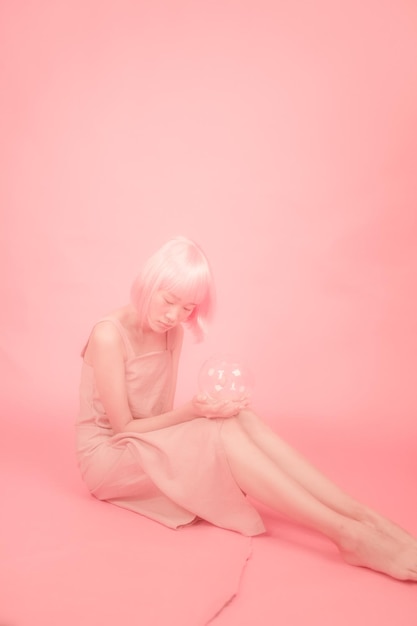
[181, 268]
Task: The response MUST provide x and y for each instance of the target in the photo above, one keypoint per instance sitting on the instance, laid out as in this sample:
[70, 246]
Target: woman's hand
[205, 406]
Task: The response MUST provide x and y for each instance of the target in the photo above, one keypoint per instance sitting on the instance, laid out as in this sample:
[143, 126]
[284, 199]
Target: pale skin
[263, 465]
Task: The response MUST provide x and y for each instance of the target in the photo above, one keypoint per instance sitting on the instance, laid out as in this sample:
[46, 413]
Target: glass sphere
[225, 378]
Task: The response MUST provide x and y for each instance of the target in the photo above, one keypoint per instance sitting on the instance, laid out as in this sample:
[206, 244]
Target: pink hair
[181, 268]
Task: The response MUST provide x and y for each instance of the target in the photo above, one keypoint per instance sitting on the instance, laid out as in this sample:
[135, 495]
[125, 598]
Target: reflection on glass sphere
[225, 378]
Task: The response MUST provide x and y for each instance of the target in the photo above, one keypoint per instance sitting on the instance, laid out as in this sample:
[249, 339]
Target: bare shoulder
[105, 333]
[105, 337]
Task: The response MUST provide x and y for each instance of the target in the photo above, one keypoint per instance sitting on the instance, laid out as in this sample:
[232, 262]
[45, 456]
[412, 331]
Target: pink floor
[68, 559]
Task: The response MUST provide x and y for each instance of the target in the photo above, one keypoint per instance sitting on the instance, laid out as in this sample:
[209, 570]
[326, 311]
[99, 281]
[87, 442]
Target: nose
[172, 314]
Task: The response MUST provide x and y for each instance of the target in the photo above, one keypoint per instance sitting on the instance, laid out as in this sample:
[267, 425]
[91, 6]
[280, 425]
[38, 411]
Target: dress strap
[129, 349]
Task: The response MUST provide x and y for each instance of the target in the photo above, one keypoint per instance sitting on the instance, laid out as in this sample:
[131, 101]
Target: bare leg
[359, 543]
[311, 479]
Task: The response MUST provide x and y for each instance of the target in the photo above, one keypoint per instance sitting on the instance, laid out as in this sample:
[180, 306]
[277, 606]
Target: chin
[159, 327]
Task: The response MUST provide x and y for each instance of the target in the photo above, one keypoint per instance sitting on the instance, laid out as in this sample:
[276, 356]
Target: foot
[365, 546]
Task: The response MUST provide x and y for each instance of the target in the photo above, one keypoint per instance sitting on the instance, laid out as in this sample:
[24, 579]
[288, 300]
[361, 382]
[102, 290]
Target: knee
[247, 418]
[244, 422]
[232, 428]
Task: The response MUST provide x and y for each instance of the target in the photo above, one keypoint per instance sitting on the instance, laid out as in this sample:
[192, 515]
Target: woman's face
[167, 310]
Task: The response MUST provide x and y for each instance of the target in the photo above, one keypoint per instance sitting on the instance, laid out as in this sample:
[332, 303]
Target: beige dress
[174, 475]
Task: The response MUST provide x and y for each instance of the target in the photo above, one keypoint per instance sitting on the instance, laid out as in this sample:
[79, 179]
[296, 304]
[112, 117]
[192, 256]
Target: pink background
[279, 135]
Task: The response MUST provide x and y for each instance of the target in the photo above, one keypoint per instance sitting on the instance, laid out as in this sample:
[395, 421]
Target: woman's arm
[106, 355]
[182, 414]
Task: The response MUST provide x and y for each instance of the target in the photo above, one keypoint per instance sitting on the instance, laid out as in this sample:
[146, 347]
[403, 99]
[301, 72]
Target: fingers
[208, 407]
[200, 397]
[228, 408]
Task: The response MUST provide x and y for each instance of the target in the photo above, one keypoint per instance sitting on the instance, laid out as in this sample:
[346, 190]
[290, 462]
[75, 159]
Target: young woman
[176, 465]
